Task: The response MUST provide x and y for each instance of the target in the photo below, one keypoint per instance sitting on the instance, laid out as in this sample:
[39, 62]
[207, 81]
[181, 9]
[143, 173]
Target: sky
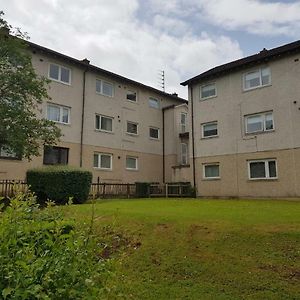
[138, 38]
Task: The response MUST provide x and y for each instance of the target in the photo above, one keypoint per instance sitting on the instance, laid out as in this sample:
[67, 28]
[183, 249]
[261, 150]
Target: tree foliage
[21, 93]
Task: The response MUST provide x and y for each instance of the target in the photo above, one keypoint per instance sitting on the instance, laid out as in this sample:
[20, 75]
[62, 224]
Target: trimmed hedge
[60, 183]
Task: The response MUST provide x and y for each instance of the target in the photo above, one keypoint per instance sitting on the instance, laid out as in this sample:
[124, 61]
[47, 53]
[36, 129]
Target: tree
[22, 92]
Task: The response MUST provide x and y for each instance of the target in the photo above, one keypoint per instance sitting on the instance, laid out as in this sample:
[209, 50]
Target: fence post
[166, 190]
[103, 194]
[128, 190]
[98, 186]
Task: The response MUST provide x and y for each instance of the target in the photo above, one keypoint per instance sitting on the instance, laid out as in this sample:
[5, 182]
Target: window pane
[131, 128]
[105, 161]
[154, 133]
[53, 113]
[252, 80]
[272, 169]
[65, 116]
[96, 160]
[131, 96]
[153, 103]
[131, 163]
[6, 152]
[107, 89]
[54, 71]
[97, 122]
[183, 122]
[184, 151]
[257, 170]
[269, 121]
[65, 75]
[98, 86]
[208, 91]
[55, 155]
[265, 76]
[254, 123]
[211, 171]
[210, 129]
[106, 124]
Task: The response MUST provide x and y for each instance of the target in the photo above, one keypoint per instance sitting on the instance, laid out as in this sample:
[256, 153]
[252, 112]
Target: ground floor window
[7, 153]
[103, 161]
[56, 155]
[262, 169]
[131, 163]
[211, 171]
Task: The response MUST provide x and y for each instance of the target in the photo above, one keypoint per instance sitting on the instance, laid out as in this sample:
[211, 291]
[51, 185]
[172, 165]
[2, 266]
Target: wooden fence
[170, 190]
[112, 190]
[9, 187]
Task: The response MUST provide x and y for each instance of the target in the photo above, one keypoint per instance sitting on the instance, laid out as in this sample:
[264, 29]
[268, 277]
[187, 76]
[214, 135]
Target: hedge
[60, 183]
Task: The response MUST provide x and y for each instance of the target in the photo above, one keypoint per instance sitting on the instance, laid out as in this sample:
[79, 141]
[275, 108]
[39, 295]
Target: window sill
[259, 132]
[132, 170]
[256, 88]
[108, 96]
[207, 98]
[209, 137]
[60, 123]
[102, 169]
[132, 134]
[211, 179]
[134, 102]
[58, 81]
[262, 179]
[104, 131]
[154, 139]
[181, 166]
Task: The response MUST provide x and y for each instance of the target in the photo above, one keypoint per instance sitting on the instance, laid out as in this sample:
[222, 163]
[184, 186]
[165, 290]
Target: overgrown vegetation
[60, 183]
[43, 256]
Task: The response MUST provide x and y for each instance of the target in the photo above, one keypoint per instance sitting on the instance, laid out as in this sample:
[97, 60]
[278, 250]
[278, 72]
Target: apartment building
[116, 127]
[245, 118]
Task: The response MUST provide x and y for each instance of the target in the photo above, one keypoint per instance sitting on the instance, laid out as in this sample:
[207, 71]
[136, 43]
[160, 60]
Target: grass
[202, 249]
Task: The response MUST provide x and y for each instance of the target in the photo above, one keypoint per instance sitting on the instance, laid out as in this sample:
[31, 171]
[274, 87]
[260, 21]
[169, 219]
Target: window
[257, 78]
[60, 73]
[154, 133]
[211, 171]
[259, 122]
[262, 169]
[184, 153]
[131, 96]
[208, 91]
[210, 129]
[104, 123]
[103, 161]
[104, 88]
[58, 113]
[183, 118]
[56, 155]
[7, 153]
[154, 103]
[131, 163]
[132, 128]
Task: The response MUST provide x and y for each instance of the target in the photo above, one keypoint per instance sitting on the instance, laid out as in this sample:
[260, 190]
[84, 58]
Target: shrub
[142, 189]
[42, 256]
[60, 183]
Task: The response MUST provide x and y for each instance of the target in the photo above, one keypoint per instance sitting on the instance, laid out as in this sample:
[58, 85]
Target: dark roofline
[263, 56]
[85, 65]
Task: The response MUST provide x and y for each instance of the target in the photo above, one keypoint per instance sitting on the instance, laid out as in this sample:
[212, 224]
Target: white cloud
[112, 37]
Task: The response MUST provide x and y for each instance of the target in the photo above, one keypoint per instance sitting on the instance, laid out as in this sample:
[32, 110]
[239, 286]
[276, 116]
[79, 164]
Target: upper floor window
[184, 153]
[183, 121]
[132, 128]
[262, 169]
[211, 171]
[153, 102]
[104, 88]
[103, 161]
[208, 91]
[210, 129]
[131, 96]
[104, 123]
[257, 78]
[56, 155]
[131, 163]
[58, 113]
[259, 122]
[60, 73]
[154, 133]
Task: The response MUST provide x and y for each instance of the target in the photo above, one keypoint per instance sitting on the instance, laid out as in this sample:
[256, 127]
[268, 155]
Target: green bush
[60, 183]
[42, 256]
[142, 189]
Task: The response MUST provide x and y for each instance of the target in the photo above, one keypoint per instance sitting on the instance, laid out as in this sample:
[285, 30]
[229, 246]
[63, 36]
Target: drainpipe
[87, 62]
[193, 140]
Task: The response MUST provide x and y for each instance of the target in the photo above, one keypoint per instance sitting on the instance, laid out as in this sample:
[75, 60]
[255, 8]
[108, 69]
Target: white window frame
[155, 128]
[184, 158]
[210, 164]
[6, 154]
[61, 107]
[136, 163]
[211, 136]
[263, 115]
[183, 126]
[104, 130]
[101, 88]
[154, 99]
[209, 97]
[99, 161]
[259, 70]
[266, 161]
[137, 128]
[133, 92]
[59, 74]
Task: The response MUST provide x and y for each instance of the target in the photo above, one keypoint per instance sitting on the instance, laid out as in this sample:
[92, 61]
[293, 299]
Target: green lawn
[202, 249]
